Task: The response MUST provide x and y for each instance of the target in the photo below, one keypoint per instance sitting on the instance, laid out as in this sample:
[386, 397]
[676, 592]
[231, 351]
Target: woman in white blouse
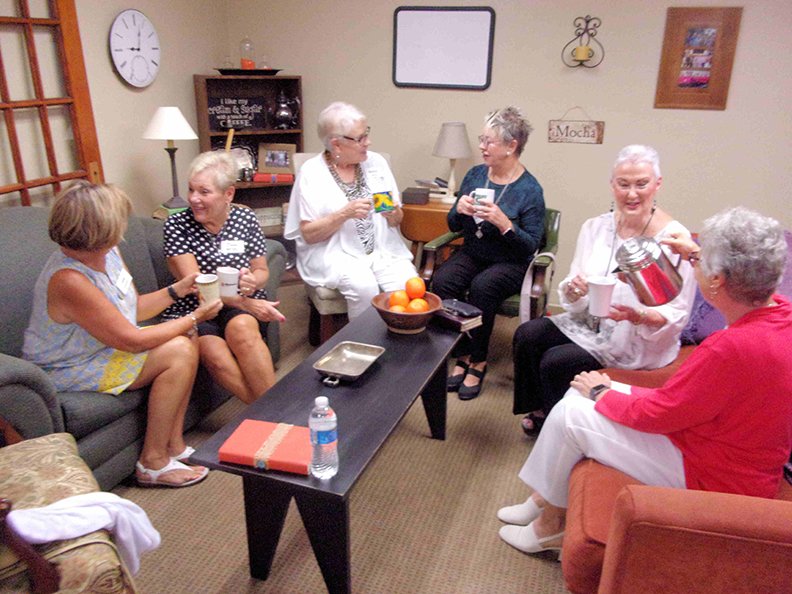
[342, 241]
[549, 352]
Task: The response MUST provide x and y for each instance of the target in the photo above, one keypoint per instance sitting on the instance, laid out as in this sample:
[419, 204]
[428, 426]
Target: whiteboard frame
[443, 47]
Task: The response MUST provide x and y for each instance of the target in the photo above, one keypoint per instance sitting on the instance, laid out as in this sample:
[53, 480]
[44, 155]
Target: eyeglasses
[486, 141]
[360, 139]
[694, 258]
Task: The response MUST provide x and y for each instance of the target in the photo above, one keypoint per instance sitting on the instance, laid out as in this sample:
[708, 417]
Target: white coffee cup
[229, 281]
[480, 195]
[600, 292]
[208, 287]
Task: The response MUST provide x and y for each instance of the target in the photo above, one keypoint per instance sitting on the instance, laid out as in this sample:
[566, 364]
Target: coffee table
[368, 410]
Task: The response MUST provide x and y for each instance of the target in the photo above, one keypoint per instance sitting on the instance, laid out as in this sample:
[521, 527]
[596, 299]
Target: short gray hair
[749, 249]
[337, 119]
[511, 124]
[638, 153]
[223, 166]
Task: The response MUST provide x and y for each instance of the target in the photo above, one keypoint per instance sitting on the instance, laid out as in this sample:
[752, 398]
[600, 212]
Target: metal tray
[347, 361]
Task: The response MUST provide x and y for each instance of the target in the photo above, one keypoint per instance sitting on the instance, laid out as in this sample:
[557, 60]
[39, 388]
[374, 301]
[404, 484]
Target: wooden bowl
[406, 323]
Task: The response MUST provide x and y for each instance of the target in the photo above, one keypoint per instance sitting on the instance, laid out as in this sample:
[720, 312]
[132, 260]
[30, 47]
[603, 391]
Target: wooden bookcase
[255, 88]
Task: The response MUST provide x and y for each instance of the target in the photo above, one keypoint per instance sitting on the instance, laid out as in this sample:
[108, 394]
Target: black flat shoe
[454, 381]
[536, 424]
[471, 392]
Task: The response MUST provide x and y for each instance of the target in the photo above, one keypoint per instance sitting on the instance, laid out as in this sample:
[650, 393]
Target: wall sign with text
[576, 131]
[237, 113]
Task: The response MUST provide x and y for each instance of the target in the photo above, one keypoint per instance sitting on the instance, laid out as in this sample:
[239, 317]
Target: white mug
[208, 287]
[229, 281]
[600, 292]
[480, 195]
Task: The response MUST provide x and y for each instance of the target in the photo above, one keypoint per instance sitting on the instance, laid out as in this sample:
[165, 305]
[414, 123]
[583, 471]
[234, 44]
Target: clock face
[135, 48]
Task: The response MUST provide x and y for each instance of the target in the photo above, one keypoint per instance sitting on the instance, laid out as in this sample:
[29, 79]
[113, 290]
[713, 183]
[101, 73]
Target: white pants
[574, 430]
[362, 278]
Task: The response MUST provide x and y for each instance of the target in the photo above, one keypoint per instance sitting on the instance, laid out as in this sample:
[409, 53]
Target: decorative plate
[240, 71]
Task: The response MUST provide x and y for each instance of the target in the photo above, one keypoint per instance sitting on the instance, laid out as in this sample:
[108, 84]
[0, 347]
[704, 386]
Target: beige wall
[192, 36]
[343, 49]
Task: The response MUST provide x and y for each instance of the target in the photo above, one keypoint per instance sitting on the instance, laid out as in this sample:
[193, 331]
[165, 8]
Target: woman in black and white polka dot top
[212, 233]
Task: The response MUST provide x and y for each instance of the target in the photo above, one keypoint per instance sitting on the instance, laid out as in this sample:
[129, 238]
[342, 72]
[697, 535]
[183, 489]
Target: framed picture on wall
[698, 53]
[443, 47]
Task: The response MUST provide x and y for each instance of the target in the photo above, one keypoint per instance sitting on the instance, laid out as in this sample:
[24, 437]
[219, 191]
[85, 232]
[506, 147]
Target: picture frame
[276, 157]
[443, 47]
[698, 53]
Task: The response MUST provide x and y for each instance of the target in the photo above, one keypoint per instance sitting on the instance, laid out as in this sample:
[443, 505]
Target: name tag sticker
[124, 281]
[232, 246]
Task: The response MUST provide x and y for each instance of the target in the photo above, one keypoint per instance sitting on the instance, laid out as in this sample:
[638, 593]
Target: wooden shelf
[255, 132]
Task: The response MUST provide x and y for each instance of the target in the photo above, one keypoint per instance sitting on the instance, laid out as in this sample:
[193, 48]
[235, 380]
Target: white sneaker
[523, 538]
[521, 514]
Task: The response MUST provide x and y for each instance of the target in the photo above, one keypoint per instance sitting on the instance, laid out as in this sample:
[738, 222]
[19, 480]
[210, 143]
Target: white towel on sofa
[75, 516]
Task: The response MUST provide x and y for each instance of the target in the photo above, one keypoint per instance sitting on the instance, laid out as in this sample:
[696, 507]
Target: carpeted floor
[422, 516]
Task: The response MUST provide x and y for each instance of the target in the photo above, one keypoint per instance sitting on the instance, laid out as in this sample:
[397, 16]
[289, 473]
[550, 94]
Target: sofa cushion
[40, 471]
[86, 412]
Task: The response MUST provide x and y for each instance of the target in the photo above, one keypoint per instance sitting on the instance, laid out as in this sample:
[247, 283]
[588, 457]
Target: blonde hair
[89, 217]
[223, 166]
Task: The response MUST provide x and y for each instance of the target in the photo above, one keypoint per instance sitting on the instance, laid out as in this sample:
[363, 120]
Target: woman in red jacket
[712, 426]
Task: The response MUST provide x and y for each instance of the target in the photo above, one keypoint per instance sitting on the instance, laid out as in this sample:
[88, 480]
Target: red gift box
[270, 446]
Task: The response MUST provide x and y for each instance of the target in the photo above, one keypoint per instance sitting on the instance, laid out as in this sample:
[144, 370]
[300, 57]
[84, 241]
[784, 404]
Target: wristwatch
[597, 390]
[172, 293]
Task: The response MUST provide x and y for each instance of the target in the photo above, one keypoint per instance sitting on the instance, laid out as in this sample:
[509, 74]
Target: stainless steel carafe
[649, 272]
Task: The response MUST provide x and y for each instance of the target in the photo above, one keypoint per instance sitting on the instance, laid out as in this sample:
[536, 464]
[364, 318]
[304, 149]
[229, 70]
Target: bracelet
[172, 293]
[194, 330]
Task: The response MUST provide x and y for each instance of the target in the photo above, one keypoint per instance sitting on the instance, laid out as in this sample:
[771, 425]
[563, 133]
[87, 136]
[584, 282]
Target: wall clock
[135, 48]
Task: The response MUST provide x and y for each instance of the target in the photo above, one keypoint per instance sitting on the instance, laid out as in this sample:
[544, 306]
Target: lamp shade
[453, 142]
[168, 123]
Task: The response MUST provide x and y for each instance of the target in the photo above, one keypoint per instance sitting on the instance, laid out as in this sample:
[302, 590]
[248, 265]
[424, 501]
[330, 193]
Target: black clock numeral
[155, 63]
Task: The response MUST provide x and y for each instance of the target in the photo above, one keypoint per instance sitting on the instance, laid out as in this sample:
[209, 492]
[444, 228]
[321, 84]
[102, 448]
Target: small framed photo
[276, 158]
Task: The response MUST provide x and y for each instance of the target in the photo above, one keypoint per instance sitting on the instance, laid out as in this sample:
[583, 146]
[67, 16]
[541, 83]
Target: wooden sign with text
[576, 131]
[238, 113]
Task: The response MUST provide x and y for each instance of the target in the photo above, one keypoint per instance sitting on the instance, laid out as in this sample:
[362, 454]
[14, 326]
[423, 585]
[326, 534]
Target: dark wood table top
[368, 408]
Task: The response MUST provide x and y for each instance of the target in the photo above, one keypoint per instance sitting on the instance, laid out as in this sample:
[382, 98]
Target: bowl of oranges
[408, 310]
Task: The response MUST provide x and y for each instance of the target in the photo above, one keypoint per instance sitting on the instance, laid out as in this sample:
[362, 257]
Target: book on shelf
[446, 319]
[268, 446]
[273, 178]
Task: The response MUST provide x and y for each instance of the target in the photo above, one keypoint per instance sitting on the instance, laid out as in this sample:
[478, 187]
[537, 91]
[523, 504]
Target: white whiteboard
[443, 47]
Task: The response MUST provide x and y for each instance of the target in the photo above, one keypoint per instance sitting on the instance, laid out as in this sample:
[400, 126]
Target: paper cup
[208, 287]
[229, 281]
[482, 195]
[600, 292]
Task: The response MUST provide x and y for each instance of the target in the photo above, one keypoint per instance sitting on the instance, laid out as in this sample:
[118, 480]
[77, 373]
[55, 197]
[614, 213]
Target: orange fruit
[397, 308]
[415, 287]
[417, 306]
[398, 298]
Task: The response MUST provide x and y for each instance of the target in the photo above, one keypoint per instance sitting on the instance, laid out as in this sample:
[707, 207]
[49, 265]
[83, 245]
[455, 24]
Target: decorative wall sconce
[584, 50]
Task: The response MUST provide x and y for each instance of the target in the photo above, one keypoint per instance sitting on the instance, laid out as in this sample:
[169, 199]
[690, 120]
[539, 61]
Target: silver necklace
[616, 231]
[479, 232]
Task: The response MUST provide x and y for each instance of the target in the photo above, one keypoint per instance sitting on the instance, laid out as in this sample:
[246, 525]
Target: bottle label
[325, 437]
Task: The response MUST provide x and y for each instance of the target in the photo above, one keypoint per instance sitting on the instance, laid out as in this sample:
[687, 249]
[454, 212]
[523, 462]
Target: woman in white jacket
[549, 352]
[343, 242]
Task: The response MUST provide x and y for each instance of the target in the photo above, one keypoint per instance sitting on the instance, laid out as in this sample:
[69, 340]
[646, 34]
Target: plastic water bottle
[324, 439]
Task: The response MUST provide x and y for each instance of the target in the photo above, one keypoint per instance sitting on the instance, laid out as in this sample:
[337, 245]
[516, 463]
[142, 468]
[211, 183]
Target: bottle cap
[322, 401]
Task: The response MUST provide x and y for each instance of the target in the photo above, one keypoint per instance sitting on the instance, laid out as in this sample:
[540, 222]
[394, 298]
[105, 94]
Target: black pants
[487, 285]
[545, 362]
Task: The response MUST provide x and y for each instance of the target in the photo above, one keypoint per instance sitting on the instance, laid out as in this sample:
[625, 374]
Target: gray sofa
[109, 429]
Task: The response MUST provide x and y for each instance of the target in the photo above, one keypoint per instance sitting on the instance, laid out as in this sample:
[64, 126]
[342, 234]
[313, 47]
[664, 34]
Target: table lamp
[169, 124]
[452, 143]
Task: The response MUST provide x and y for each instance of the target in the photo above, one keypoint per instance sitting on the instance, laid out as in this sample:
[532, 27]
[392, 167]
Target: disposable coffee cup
[229, 281]
[480, 195]
[208, 287]
[600, 292]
